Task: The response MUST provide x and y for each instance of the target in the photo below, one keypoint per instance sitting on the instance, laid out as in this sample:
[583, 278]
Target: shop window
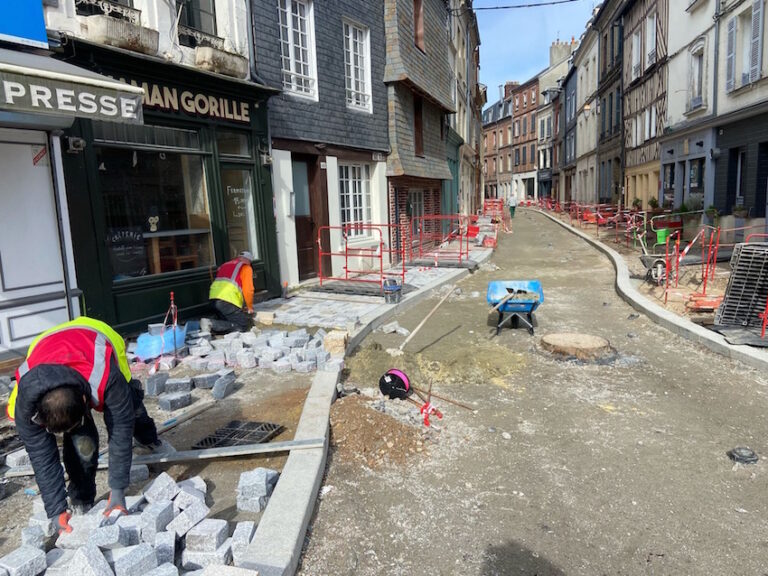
[415, 210]
[356, 58]
[120, 9]
[297, 47]
[235, 144]
[197, 23]
[239, 210]
[156, 211]
[695, 199]
[355, 197]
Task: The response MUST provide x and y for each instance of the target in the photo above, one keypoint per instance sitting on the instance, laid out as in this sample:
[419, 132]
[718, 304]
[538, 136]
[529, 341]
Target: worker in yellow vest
[69, 370]
[231, 296]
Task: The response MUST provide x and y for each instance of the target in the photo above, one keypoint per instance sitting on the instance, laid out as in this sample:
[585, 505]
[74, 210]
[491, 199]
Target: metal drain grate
[747, 288]
[240, 433]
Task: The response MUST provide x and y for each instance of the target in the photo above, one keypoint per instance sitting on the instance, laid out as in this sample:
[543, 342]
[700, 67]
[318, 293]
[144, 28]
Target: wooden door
[306, 245]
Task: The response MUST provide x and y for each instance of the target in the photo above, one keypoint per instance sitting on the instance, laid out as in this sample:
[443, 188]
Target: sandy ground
[260, 396]
[571, 468]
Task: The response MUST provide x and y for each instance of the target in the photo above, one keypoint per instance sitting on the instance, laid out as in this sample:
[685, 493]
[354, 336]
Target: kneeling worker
[69, 370]
[231, 296]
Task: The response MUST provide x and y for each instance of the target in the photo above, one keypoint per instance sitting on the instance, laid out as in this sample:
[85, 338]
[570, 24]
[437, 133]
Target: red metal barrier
[440, 237]
[372, 246]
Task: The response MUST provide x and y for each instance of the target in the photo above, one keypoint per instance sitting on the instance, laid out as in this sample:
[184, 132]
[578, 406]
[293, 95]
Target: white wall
[160, 15]
[282, 184]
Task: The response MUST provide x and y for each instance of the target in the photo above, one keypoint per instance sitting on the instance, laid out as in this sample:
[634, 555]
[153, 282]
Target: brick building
[418, 79]
[498, 145]
[524, 104]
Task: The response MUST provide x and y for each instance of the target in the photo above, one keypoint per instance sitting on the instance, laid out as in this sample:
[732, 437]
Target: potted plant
[653, 203]
[637, 204]
[712, 215]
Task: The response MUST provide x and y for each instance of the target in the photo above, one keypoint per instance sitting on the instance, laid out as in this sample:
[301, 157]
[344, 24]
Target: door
[31, 274]
[306, 244]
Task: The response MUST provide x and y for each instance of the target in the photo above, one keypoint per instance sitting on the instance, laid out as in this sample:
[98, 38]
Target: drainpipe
[57, 191]
[716, 56]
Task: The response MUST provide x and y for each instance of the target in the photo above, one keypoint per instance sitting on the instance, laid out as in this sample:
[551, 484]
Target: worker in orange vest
[70, 369]
[231, 296]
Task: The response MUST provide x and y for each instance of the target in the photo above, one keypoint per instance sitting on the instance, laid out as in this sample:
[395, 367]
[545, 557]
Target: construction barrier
[440, 237]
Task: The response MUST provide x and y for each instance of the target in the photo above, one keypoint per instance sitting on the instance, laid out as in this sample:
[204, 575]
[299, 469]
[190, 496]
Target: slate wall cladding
[430, 70]
[328, 120]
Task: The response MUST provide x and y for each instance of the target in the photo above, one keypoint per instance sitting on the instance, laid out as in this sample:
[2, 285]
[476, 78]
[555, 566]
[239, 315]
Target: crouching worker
[231, 296]
[71, 369]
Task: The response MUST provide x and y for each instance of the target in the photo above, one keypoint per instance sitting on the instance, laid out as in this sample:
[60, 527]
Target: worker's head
[247, 255]
[62, 409]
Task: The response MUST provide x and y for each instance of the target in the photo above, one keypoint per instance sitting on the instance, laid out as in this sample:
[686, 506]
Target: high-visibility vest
[85, 345]
[227, 286]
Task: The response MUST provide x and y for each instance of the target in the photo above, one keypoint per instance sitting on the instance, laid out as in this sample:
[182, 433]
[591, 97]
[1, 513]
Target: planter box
[122, 34]
[220, 62]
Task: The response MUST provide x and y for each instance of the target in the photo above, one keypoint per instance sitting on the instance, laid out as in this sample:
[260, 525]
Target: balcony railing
[192, 38]
[108, 8]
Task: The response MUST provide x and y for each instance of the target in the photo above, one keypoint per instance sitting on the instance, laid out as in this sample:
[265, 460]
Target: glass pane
[233, 143]
[301, 188]
[239, 211]
[156, 211]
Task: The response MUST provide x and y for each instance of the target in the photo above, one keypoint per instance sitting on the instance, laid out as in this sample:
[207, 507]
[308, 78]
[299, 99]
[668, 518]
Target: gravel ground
[617, 467]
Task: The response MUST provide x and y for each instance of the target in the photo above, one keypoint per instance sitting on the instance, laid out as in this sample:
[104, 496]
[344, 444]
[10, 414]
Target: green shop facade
[155, 208]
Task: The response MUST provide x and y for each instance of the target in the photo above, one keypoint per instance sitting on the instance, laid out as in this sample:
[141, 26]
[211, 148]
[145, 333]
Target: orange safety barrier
[441, 237]
[372, 246]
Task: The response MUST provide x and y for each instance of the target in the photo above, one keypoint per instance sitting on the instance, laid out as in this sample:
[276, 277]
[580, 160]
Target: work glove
[116, 502]
[61, 522]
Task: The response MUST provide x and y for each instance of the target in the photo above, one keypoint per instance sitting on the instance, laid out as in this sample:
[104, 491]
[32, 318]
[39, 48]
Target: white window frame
[743, 36]
[637, 46]
[357, 76]
[697, 76]
[355, 203]
[297, 83]
[650, 40]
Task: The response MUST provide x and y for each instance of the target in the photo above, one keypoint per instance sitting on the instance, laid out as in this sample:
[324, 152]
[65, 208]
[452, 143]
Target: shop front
[156, 208]
[39, 97]
[688, 170]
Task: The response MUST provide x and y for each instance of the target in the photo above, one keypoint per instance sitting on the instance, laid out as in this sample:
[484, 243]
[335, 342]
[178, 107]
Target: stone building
[328, 128]
[570, 131]
[524, 104]
[585, 62]
[645, 96]
[418, 78]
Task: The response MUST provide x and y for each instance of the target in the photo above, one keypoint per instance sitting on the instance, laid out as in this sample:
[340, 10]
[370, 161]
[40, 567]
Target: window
[155, 200]
[603, 113]
[533, 153]
[525, 125]
[509, 134]
[610, 112]
[355, 197]
[509, 162]
[517, 128]
[650, 40]
[525, 99]
[533, 123]
[647, 120]
[745, 25]
[418, 24]
[653, 120]
[418, 126]
[517, 101]
[356, 57]
[415, 209]
[297, 47]
[196, 16]
[525, 149]
[533, 96]
[636, 60]
[617, 115]
[697, 79]
[542, 125]
[517, 156]
[549, 126]
[493, 139]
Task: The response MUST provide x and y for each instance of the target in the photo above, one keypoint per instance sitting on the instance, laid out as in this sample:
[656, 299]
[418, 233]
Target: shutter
[730, 67]
[756, 45]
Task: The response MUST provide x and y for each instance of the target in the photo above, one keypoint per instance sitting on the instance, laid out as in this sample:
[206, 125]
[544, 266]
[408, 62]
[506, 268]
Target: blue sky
[515, 43]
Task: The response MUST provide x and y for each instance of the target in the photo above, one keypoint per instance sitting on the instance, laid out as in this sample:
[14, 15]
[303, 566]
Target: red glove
[62, 522]
[116, 502]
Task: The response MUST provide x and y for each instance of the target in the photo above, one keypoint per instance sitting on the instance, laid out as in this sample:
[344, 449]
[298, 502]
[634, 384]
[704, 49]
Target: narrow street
[566, 467]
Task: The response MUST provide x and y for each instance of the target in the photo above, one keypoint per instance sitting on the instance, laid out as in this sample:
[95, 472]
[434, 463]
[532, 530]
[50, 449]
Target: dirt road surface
[566, 467]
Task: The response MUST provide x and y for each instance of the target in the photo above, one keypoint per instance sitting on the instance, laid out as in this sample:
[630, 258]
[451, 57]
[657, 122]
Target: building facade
[610, 145]
[419, 80]
[524, 106]
[328, 128]
[497, 144]
[570, 129]
[585, 62]
[645, 97]
[156, 208]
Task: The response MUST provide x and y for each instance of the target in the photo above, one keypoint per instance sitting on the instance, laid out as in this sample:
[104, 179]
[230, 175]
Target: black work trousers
[81, 448]
[230, 318]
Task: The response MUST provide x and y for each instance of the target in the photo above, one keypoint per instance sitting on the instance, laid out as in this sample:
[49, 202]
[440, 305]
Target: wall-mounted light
[700, 143]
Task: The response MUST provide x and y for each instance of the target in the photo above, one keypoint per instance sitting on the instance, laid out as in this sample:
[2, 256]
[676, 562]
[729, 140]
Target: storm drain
[240, 433]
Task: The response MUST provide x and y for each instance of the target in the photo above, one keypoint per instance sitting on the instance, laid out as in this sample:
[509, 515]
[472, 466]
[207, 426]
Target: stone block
[265, 317]
[185, 521]
[254, 504]
[205, 381]
[112, 536]
[137, 562]
[154, 519]
[82, 529]
[24, 561]
[227, 571]
[98, 508]
[132, 527]
[58, 562]
[178, 385]
[167, 363]
[254, 489]
[33, 536]
[134, 503]
[335, 342]
[17, 459]
[174, 401]
[304, 367]
[314, 344]
[165, 569]
[281, 365]
[200, 348]
[246, 359]
[139, 473]
[37, 505]
[5, 384]
[41, 519]
[187, 496]
[296, 341]
[89, 561]
[241, 538]
[333, 365]
[198, 364]
[195, 482]
[191, 560]
[207, 536]
[276, 341]
[270, 353]
[165, 547]
[225, 385]
[221, 345]
[389, 328]
[320, 334]
[161, 489]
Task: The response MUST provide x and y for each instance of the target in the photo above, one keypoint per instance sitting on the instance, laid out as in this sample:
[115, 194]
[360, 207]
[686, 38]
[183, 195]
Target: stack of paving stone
[175, 393]
[167, 532]
[277, 350]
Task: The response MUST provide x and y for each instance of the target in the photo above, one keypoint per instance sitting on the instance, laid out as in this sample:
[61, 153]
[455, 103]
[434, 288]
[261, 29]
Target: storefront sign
[22, 22]
[21, 93]
[169, 99]
[127, 252]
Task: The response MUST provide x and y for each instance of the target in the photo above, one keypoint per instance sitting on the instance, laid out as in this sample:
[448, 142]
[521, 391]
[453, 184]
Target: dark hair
[62, 408]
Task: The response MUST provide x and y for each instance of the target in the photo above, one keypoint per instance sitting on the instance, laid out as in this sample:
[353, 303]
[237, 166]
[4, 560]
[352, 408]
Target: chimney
[509, 87]
[501, 91]
[558, 52]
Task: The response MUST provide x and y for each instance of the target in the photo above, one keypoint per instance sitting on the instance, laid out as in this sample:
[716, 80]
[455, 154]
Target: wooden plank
[206, 454]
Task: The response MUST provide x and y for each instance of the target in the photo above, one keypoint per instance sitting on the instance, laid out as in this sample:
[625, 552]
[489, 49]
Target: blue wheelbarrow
[515, 300]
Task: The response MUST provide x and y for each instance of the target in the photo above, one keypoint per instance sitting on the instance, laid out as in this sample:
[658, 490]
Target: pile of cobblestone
[167, 532]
